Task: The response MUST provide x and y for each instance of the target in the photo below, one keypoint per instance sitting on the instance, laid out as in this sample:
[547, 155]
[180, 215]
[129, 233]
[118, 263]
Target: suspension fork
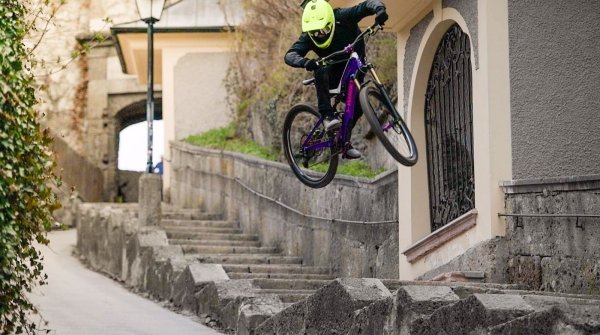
[383, 91]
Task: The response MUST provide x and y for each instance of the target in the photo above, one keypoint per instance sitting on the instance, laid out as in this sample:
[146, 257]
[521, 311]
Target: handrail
[248, 188]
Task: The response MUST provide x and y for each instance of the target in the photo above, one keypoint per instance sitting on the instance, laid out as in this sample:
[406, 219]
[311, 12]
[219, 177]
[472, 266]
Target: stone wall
[554, 254]
[256, 192]
[78, 172]
[557, 254]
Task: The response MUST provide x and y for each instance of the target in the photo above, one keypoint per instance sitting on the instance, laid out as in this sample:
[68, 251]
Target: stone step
[226, 249]
[291, 298]
[394, 284]
[244, 258]
[198, 223]
[290, 295]
[201, 230]
[189, 214]
[290, 284]
[203, 242]
[275, 268]
[211, 236]
[241, 275]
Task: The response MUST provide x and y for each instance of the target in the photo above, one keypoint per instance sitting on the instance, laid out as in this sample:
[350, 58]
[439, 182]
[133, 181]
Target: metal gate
[449, 130]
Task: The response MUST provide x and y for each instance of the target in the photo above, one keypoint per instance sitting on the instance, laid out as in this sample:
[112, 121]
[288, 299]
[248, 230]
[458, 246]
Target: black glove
[311, 65]
[381, 16]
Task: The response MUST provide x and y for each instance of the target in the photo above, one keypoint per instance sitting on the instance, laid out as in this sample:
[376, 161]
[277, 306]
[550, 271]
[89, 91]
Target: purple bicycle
[313, 153]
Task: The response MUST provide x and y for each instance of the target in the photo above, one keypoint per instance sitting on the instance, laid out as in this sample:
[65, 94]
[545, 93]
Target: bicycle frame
[351, 87]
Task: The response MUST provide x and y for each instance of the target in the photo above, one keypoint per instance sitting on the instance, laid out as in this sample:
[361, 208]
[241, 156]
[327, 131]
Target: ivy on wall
[26, 200]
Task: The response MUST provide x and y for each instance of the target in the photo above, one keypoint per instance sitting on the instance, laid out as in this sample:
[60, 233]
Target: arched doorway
[131, 146]
[449, 130]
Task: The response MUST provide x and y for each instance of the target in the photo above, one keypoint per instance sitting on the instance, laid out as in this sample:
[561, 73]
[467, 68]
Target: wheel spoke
[315, 167]
[399, 142]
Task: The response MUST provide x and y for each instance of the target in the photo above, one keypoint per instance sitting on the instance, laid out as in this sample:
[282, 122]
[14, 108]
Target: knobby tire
[377, 120]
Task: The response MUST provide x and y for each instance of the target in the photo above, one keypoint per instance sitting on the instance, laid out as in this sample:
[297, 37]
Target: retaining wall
[78, 172]
[555, 254]
[259, 194]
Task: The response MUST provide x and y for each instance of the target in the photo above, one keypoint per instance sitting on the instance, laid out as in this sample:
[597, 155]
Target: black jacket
[346, 31]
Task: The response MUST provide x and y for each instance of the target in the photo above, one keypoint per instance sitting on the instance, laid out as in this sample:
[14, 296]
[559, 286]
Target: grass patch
[224, 139]
[358, 169]
[352, 168]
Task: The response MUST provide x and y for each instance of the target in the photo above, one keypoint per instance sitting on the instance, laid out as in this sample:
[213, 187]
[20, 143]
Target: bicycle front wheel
[308, 148]
[388, 126]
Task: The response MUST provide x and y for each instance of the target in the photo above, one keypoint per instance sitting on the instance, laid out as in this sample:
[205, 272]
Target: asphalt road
[79, 301]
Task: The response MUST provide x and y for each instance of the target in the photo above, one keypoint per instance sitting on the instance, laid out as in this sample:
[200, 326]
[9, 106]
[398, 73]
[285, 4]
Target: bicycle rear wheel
[388, 126]
[308, 148]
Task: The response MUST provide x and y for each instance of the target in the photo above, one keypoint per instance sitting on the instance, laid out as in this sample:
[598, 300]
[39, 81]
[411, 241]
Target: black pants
[328, 78]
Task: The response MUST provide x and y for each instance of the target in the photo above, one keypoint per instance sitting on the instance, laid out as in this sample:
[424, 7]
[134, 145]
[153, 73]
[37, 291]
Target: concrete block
[376, 318]
[395, 315]
[475, 313]
[151, 237]
[192, 279]
[416, 301]
[255, 311]
[164, 264]
[546, 322]
[222, 299]
[290, 321]
[150, 197]
[331, 308]
[582, 313]
[138, 254]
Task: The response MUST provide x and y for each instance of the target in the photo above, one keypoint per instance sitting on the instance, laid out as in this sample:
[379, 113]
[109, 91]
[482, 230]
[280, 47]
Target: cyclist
[324, 31]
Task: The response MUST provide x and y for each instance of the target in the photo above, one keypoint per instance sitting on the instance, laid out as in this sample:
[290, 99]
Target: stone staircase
[354, 306]
[256, 290]
[209, 239]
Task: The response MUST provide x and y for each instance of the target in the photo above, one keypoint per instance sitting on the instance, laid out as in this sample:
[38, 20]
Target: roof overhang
[132, 45]
[403, 13]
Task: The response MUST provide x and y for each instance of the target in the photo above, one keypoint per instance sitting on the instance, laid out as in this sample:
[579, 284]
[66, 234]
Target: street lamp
[150, 12]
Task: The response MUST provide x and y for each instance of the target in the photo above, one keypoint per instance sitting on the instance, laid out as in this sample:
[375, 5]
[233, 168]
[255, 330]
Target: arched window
[449, 130]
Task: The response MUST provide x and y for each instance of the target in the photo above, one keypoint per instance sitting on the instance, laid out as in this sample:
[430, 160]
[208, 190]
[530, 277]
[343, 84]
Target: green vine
[26, 200]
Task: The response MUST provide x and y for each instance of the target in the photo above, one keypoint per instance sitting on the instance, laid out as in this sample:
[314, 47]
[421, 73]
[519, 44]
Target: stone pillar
[150, 199]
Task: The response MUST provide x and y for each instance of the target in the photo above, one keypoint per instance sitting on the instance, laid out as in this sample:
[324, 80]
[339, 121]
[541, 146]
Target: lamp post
[150, 12]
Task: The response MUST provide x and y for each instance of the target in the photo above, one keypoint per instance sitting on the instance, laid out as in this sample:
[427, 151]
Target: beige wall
[173, 49]
[491, 126]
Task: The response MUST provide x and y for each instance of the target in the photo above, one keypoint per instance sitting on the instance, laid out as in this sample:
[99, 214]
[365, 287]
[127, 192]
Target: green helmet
[319, 22]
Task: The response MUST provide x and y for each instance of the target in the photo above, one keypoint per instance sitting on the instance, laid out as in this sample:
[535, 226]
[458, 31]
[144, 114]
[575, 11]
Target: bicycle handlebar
[372, 30]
